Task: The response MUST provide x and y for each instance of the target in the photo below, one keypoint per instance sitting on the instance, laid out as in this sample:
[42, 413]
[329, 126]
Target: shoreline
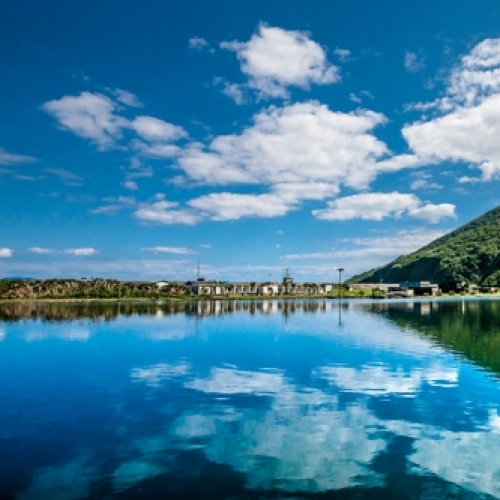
[207, 298]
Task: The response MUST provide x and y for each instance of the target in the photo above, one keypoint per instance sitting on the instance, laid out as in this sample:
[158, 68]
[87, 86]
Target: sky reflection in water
[233, 400]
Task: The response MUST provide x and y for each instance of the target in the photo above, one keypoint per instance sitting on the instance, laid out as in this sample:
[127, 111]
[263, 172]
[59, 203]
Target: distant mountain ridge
[470, 253]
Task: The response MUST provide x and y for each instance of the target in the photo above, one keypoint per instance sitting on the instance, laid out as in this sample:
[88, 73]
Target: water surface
[250, 400]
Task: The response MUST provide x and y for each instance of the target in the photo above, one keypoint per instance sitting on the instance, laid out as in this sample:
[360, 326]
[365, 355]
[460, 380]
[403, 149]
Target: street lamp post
[340, 269]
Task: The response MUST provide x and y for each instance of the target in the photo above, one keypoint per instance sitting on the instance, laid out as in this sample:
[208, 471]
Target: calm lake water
[250, 400]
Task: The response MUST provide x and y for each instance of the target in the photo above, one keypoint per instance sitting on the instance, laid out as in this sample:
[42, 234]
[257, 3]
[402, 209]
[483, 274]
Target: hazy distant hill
[470, 253]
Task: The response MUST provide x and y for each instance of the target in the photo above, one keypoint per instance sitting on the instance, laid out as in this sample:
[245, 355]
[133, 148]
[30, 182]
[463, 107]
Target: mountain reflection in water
[250, 400]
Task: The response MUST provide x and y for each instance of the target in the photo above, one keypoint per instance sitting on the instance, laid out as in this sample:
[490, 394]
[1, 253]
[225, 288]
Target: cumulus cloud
[165, 212]
[91, 116]
[433, 213]
[230, 206]
[376, 206]
[154, 129]
[7, 158]
[97, 117]
[301, 142]
[466, 121]
[5, 253]
[274, 59]
[301, 152]
[172, 250]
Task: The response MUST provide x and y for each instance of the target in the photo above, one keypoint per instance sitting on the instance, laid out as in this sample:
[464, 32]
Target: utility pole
[340, 269]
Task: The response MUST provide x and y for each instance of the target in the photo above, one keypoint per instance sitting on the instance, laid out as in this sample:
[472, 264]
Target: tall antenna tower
[198, 273]
[287, 278]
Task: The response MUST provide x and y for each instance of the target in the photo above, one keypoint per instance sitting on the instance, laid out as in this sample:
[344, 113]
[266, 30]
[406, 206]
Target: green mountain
[470, 253]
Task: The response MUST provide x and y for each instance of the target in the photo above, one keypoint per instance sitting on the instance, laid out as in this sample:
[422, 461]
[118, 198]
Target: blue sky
[137, 138]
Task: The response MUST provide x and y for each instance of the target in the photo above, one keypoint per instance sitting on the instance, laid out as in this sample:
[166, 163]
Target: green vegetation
[470, 328]
[471, 253]
[87, 289]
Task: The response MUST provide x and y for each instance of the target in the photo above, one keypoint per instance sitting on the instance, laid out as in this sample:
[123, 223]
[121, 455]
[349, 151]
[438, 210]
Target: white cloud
[91, 116]
[376, 206]
[165, 212]
[132, 185]
[232, 381]
[6, 252]
[113, 205]
[172, 250]
[468, 459]
[197, 43]
[156, 150]
[156, 374]
[412, 62]
[367, 93]
[205, 245]
[386, 247]
[433, 213]
[274, 59]
[40, 250]
[466, 124]
[380, 380]
[372, 380]
[468, 134]
[303, 142]
[69, 178]
[235, 92]
[154, 129]
[424, 184]
[344, 55]
[230, 206]
[301, 151]
[78, 252]
[7, 158]
[96, 117]
[74, 334]
[127, 98]
[309, 421]
[354, 98]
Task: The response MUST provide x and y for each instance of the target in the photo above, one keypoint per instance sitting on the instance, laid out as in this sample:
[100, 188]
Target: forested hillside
[470, 253]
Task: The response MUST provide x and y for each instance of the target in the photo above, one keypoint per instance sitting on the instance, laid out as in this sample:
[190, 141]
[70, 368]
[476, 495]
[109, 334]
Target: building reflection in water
[109, 311]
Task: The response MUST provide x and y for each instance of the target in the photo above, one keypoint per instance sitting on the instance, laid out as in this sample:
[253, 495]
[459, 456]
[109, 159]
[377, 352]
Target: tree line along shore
[107, 289]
